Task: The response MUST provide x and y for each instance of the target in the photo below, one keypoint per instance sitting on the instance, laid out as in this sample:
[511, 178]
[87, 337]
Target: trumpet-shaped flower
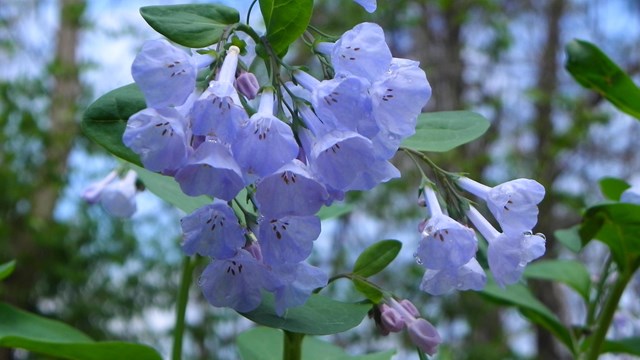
[296, 283]
[514, 203]
[118, 197]
[212, 230]
[288, 239]
[160, 66]
[362, 51]
[92, 193]
[469, 276]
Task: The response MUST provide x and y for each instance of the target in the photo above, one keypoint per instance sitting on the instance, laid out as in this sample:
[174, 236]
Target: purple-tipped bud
[408, 305]
[247, 85]
[424, 335]
[390, 319]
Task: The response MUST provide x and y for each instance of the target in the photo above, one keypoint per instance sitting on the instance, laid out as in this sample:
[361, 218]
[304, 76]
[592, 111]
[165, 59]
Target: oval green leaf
[285, 20]
[371, 292]
[6, 269]
[320, 315]
[571, 273]
[106, 118]
[613, 188]
[445, 130]
[594, 70]
[376, 257]
[569, 238]
[193, 25]
[20, 329]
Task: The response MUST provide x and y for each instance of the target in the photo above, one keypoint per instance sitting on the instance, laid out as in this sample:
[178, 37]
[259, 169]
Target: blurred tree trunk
[31, 232]
[548, 167]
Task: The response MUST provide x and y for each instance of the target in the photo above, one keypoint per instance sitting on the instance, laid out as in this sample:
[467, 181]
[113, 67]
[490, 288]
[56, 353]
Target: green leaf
[569, 238]
[594, 70]
[618, 226]
[193, 25]
[320, 315]
[371, 292]
[518, 295]
[613, 188]
[334, 211]
[166, 188]
[6, 269]
[445, 130]
[263, 343]
[571, 273]
[105, 120]
[20, 329]
[285, 21]
[623, 346]
[376, 257]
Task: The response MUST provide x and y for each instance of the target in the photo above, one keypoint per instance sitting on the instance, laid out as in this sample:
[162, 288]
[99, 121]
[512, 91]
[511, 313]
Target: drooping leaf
[569, 238]
[320, 315]
[518, 295]
[6, 269]
[191, 25]
[263, 343]
[376, 257]
[613, 188]
[445, 130]
[20, 329]
[285, 21]
[105, 120]
[594, 70]
[166, 188]
[629, 346]
[572, 273]
[618, 226]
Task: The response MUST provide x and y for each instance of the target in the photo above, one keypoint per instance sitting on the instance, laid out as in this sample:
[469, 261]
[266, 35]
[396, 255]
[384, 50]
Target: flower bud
[247, 84]
[424, 335]
[390, 319]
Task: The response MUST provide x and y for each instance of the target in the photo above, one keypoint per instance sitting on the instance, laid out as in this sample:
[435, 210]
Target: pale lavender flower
[288, 239]
[508, 253]
[368, 5]
[296, 283]
[118, 197]
[362, 51]
[92, 193]
[514, 203]
[424, 335]
[469, 276]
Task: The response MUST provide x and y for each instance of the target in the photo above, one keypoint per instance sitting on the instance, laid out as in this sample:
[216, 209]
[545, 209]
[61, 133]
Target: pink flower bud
[247, 84]
[390, 319]
[424, 335]
[408, 305]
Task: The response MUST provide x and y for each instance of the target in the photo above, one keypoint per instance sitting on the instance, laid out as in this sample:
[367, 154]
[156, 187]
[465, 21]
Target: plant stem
[292, 346]
[188, 265]
[606, 316]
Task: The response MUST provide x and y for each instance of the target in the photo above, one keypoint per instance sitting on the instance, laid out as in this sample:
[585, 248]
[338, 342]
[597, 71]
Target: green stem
[606, 316]
[188, 265]
[292, 346]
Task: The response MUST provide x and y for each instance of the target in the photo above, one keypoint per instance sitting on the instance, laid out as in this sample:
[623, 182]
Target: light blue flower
[469, 276]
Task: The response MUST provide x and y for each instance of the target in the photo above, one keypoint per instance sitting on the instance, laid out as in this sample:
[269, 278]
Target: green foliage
[285, 20]
[520, 296]
[618, 226]
[613, 188]
[20, 329]
[192, 25]
[266, 344]
[334, 211]
[445, 130]
[569, 238]
[6, 269]
[594, 70]
[629, 346]
[572, 273]
[166, 188]
[105, 119]
[320, 315]
[376, 257]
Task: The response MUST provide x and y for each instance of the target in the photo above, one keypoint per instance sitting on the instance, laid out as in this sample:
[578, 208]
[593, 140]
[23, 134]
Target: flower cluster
[447, 249]
[336, 135]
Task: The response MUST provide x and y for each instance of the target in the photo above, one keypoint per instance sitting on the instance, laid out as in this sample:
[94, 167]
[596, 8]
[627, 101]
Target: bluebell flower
[211, 170]
[288, 239]
[212, 230]
[369, 5]
[160, 67]
[290, 190]
[514, 203]
[92, 193]
[159, 137]
[508, 253]
[445, 243]
[218, 111]
[469, 276]
[118, 197]
[362, 51]
[296, 283]
[237, 282]
[265, 143]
